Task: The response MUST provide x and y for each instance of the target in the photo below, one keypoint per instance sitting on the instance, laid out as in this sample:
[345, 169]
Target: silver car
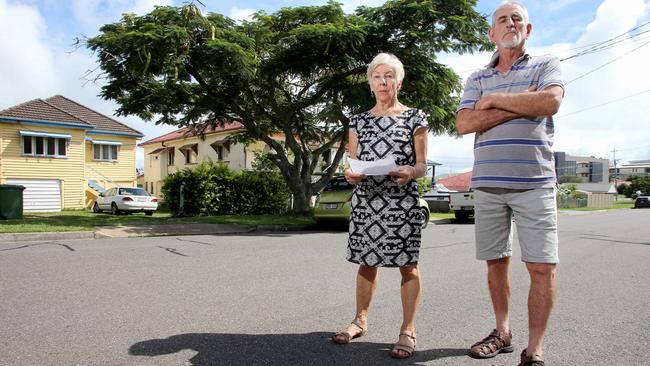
[120, 199]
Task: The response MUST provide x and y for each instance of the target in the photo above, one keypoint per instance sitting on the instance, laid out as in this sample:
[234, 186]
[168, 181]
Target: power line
[599, 46]
[608, 43]
[605, 64]
[601, 42]
[621, 43]
[603, 104]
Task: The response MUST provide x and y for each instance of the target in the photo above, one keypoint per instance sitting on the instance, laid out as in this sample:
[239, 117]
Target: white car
[126, 199]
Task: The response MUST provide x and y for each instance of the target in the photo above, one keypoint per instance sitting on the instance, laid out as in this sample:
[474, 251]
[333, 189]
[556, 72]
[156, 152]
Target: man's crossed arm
[496, 108]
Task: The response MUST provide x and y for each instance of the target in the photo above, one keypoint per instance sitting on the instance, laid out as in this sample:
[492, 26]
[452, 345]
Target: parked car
[335, 202]
[438, 198]
[462, 203]
[642, 201]
[125, 199]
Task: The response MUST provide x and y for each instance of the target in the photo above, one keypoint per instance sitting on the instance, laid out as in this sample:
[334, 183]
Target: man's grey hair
[510, 3]
[391, 61]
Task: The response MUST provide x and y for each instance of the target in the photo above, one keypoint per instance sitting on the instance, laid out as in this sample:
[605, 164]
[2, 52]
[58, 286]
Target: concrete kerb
[16, 237]
[151, 230]
[159, 230]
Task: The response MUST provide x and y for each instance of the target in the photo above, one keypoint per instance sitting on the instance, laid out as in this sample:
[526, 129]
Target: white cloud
[240, 14]
[141, 7]
[92, 14]
[598, 131]
[27, 66]
[86, 12]
[350, 6]
[34, 67]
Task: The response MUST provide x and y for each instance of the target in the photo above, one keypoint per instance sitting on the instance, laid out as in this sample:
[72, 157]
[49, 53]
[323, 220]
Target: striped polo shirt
[517, 154]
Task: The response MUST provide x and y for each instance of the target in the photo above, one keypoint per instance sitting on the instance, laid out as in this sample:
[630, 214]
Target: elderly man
[508, 105]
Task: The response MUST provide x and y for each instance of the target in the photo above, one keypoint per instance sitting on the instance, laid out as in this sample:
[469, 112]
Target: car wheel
[425, 213]
[114, 209]
[461, 215]
[96, 208]
[148, 213]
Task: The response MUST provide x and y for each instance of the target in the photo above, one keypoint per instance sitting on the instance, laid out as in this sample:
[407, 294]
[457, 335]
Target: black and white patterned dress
[386, 220]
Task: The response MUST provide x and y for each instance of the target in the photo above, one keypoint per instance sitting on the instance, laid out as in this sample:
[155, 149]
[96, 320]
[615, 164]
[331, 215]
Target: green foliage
[424, 185]
[299, 72]
[263, 162]
[213, 189]
[568, 196]
[570, 179]
[570, 190]
[637, 184]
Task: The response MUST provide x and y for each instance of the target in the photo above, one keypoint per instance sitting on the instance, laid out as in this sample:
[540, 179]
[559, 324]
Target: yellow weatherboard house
[64, 153]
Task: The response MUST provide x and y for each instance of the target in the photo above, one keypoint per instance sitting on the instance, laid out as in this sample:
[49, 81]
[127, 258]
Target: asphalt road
[275, 299]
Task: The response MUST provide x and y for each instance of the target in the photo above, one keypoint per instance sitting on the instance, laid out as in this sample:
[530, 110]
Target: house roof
[187, 132]
[100, 121]
[61, 109]
[459, 182]
[40, 110]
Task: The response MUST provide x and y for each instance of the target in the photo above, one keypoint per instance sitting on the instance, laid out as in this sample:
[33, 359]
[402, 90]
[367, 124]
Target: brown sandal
[347, 336]
[492, 345]
[409, 347]
[534, 360]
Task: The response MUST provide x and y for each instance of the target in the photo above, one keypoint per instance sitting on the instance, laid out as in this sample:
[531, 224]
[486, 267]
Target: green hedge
[213, 189]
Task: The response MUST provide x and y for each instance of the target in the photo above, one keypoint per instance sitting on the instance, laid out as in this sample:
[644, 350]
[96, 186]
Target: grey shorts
[535, 216]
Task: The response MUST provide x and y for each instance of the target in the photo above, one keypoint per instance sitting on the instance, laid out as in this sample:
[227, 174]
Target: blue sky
[605, 109]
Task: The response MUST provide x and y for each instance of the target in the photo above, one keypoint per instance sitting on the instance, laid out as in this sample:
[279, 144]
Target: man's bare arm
[530, 103]
[471, 120]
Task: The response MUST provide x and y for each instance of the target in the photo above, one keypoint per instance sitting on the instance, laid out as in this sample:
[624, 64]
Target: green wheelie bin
[11, 201]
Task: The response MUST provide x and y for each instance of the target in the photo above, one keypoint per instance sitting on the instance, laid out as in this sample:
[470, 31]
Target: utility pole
[615, 175]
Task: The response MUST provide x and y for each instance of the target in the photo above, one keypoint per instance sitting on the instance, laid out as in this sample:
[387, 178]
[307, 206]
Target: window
[220, 153]
[27, 145]
[105, 152]
[38, 141]
[55, 147]
[222, 148]
[171, 156]
[191, 152]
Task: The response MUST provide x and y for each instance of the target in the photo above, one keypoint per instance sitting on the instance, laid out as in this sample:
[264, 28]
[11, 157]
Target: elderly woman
[385, 221]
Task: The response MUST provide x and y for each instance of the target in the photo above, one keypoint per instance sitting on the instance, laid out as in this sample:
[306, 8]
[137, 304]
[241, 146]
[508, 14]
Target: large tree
[299, 72]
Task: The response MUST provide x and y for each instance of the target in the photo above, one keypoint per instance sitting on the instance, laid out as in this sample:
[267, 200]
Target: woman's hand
[352, 177]
[403, 174]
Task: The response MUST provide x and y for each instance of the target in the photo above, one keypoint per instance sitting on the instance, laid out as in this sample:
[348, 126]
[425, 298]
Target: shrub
[214, 189]
[570, 179]
[424, 185]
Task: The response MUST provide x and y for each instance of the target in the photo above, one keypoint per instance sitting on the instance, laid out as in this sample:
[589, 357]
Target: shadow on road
[280, 349]
[469, 221]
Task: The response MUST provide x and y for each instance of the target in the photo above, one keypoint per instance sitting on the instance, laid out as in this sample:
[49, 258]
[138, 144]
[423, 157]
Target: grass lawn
[85, 220]
[441, 215]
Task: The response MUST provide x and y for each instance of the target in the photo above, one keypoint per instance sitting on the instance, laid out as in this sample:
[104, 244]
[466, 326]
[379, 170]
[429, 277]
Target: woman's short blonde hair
[391, 61]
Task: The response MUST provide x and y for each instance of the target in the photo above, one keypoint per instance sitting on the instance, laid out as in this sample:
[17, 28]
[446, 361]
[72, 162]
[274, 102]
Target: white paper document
[377, 167]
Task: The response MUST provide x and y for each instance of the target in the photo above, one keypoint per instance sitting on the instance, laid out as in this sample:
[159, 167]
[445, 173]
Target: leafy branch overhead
[299, 72]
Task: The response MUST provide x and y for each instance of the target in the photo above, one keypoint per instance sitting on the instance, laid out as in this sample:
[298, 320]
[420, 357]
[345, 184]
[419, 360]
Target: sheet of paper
[376, 167]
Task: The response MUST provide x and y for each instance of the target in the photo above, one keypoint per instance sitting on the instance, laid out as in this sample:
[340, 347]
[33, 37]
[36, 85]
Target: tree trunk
[300, 203]
[301, 194]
